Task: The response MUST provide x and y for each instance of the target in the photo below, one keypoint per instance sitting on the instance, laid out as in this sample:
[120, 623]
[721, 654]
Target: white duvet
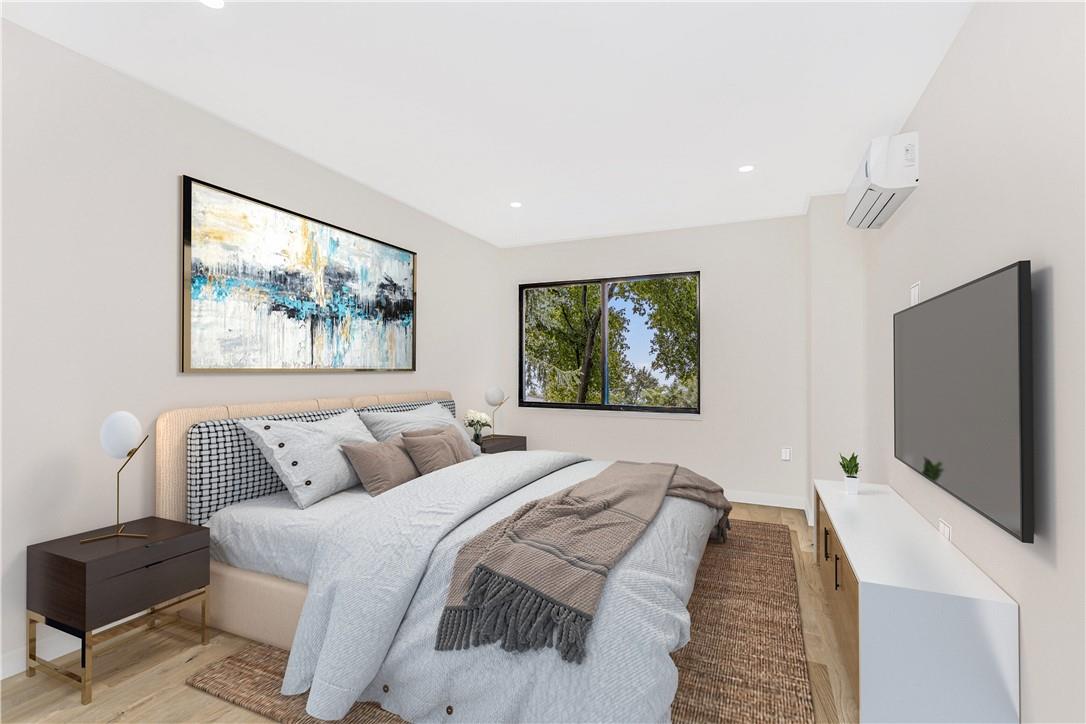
[379, 581]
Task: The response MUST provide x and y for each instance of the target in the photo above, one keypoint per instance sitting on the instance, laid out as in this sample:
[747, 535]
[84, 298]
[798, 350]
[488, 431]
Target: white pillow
[384, 425]
[306, 455]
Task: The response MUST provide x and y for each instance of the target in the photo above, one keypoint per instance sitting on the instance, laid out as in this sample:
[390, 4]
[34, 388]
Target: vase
[852, 485]
[477, 437]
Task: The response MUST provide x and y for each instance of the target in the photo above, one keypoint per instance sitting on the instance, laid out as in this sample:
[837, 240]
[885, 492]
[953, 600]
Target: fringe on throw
[719, 533]
[498, 608]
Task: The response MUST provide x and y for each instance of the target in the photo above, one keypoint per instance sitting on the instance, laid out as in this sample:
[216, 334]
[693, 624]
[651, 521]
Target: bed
[266, 553]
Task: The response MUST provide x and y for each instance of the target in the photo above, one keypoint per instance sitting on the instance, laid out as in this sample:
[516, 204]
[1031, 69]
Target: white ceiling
[601, 118]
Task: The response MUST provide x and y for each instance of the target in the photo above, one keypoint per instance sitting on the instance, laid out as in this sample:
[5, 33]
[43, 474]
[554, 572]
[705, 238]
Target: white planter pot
[852, 486]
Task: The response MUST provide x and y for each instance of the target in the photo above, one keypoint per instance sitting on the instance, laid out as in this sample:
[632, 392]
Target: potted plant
[851, 467]
[477, 421]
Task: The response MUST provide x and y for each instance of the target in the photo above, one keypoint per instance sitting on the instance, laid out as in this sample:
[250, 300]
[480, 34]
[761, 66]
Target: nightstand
[503, 443]
[79, 587]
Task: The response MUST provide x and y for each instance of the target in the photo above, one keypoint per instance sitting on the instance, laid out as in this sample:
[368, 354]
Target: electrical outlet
[914, 294]
[944, 529]
[786, 454]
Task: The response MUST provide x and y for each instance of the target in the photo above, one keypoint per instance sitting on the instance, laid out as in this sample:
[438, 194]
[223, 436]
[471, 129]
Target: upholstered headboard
[172, 429]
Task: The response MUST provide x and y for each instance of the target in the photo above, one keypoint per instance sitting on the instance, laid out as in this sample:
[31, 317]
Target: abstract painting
[269, 289]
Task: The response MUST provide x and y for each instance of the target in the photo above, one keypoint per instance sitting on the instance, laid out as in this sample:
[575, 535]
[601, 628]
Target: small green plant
[932, 469]
[851, 465]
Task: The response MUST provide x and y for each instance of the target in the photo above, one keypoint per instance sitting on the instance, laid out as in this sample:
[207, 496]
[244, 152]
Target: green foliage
[671, 305]
[932, 469]
[562, 351]
[851, 465]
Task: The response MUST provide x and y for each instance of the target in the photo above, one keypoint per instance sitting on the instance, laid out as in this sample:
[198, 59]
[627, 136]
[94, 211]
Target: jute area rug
[746, 660]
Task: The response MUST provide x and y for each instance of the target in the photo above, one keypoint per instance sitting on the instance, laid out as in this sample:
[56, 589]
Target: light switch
[945, 529]
[786, 454]
[914, 294]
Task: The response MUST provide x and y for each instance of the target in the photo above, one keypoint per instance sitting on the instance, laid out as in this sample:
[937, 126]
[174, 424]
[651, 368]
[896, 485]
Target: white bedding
[379, 580]
[272, 535]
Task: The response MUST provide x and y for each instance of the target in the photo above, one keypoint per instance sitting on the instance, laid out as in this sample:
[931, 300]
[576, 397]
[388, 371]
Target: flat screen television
[963, 395]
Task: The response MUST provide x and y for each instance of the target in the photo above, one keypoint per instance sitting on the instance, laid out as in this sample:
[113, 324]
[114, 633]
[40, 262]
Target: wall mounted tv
[963, 395]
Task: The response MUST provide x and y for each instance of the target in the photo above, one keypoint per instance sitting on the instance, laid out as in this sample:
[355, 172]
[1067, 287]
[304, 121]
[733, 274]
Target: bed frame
[257, 606]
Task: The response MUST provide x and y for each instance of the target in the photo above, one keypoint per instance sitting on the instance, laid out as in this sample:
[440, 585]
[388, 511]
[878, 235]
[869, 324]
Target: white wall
[837, 369]
[91, 278]
[768, 289]
[753, 355]
[1001, 131]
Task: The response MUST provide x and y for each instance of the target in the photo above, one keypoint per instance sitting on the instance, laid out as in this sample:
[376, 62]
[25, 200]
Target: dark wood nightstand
[503, 443]
[78, 587]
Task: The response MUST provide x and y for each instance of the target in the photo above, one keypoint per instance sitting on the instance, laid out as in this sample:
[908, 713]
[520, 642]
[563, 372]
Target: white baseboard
[758, 497]
[14, 662]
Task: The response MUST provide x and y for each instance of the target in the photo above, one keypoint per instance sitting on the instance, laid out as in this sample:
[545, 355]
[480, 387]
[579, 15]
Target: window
[642, 354]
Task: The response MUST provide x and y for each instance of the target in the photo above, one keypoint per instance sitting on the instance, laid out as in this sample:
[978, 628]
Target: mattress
[272, 535]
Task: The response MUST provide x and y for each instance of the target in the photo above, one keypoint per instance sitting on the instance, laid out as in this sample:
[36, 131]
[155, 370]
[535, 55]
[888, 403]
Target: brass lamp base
[119, 533]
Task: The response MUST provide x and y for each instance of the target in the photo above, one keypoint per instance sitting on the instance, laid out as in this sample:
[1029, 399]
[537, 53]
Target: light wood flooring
[143, 678]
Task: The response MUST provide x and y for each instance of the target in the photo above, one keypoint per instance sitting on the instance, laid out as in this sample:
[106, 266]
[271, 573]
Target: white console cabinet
[927, 636]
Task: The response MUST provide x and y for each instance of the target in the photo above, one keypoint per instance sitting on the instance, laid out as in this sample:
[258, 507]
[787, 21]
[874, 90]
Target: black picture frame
[522, 402]
[186, 288]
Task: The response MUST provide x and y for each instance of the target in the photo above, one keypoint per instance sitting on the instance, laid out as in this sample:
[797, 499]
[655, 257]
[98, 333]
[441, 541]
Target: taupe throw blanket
[535, 578]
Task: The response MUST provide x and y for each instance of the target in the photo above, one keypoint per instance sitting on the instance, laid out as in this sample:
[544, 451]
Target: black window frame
[603, 282]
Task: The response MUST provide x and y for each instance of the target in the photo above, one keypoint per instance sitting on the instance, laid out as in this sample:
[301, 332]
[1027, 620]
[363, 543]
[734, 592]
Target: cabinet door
[825, 546]
[842, 593]
[845, 610]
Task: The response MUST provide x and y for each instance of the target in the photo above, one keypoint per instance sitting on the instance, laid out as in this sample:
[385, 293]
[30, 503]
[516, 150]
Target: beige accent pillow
[381, 466]
[462, 445]
[432, 450]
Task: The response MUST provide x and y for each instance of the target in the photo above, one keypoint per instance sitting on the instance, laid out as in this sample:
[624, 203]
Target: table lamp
[495, 397]
[120, 438]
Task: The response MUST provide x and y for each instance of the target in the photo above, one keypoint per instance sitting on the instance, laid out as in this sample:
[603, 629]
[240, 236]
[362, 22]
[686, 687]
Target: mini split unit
[889, 173]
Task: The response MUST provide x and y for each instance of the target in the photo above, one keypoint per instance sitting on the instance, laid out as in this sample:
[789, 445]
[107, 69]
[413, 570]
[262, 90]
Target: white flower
[474, 418]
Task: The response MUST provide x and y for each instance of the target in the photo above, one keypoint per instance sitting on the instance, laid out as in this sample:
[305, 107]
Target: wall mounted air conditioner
[889, 173]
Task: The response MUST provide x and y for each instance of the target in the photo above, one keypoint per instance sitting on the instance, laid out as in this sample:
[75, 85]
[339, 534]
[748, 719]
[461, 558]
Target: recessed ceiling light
[515, 204]
[214, 4]
[747, 168]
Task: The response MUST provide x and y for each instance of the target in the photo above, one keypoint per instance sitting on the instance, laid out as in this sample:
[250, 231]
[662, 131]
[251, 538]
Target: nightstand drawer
[128, 593]
[146, 554]
[503, 443]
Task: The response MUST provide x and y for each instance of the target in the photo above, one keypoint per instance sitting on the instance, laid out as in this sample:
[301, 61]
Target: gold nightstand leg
[88, 665]
[31, 644]
[85, 677]
[203, 618]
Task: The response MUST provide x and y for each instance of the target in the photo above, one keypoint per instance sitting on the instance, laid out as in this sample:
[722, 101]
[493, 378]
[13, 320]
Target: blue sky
[639, 337]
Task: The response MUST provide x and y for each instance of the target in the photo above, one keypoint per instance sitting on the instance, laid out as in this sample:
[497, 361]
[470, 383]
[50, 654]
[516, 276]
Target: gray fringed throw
[534, 579]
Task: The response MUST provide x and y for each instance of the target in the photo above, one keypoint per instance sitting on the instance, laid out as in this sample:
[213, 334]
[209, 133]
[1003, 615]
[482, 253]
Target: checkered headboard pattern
[225, 467]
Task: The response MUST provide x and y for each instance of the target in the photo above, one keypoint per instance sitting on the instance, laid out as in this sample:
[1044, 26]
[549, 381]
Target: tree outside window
[626, 343]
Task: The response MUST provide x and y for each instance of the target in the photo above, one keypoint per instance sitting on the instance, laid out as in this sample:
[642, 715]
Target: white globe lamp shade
[120, 433]
[494, 396]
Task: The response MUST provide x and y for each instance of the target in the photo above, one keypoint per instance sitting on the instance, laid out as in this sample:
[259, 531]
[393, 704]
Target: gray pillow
[381, 466]
[435, 451]
[307, 455]
[384, 425]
